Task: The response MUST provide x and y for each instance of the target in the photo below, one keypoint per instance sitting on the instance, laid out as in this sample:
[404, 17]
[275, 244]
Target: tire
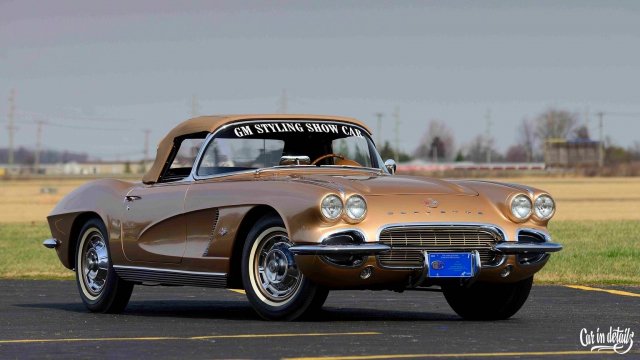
[276, 289]
[101, 290]
[484, 301]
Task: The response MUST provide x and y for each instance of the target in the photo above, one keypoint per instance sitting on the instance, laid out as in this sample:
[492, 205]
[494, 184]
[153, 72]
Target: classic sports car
[289, 207]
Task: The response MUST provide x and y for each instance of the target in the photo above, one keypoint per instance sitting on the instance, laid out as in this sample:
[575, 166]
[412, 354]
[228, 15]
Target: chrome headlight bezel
[519, 200]
[325, 207]
[351, 203]
[536, 206]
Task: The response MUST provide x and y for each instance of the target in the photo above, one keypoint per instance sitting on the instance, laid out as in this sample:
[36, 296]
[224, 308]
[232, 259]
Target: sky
[101, 72]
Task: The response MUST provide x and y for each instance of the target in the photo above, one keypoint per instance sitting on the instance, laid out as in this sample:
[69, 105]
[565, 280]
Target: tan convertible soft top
[214, 122]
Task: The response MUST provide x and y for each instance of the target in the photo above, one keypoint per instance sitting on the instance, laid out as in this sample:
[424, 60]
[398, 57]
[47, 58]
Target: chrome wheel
[274, 275]
[93, 263]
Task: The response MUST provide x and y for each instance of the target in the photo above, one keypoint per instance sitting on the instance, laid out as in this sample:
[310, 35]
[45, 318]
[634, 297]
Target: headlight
[544, 207]
[521, 207]
[331, 207]
[356, 207]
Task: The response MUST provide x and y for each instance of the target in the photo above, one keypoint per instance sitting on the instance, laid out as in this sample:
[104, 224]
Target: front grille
[409, 242]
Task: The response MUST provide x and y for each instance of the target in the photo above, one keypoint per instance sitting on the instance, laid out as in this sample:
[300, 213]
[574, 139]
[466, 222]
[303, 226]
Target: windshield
[279, 143]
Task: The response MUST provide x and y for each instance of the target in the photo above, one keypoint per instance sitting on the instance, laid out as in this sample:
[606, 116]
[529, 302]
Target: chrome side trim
[363, 249]
[51, 243]
[522, 248]
[171, 277]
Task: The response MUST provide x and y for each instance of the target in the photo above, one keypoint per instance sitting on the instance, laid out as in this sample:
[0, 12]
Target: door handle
[130, 198]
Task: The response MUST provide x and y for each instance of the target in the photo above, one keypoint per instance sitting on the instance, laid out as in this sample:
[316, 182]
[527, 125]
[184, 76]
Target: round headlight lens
[331, 207]
[521, 207]
[544, 207]
[356, 207]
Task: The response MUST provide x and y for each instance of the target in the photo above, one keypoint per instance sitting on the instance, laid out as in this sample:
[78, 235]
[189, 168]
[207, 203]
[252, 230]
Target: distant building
[561, 153]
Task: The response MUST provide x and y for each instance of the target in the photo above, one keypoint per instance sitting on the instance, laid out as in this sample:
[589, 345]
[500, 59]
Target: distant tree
[387, 152]
[127, 167]
[437, 143]
[527, 138]
[459, 157]
[581, 133]
[555, 124]
[479, 147]
[517, 153]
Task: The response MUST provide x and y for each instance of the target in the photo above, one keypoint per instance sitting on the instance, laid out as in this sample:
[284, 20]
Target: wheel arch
[251, 217]
[74, 233]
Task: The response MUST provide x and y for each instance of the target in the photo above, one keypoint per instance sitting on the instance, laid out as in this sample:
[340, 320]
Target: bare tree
[527, 138]
[581, 133]
[437, 143]
[555, 124]
[479, 147]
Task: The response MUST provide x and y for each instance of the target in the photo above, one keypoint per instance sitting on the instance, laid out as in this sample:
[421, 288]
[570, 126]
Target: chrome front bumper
[505, 247]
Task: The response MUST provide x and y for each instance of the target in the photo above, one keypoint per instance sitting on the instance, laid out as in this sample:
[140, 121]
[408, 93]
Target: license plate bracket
[451, 264]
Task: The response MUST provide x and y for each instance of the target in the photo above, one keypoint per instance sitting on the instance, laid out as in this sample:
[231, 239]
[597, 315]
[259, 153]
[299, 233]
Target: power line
[282, 104]
[379, 128]
[396, 117]
[36, 162]
[34, 114]
[195, 106]
[11, 127]
[146, 144]
[75, 127]
[488, 135]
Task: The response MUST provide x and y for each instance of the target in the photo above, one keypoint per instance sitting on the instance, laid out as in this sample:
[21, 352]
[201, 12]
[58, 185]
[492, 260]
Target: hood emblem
[431, 203]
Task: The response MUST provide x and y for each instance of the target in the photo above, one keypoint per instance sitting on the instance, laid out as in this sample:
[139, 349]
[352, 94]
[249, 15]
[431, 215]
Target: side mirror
[390, 164]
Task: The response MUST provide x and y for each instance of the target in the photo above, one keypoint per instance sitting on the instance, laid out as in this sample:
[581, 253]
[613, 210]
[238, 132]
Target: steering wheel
[326, 156]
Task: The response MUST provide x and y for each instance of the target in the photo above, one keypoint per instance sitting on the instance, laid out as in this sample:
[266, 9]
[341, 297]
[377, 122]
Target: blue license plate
[451, 265]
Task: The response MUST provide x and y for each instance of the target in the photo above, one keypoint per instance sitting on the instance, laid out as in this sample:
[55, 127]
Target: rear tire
[101, 290]
[275, 287]
[483, 301]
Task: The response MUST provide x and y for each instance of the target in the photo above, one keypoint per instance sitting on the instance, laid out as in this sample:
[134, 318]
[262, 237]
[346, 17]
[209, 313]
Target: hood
[387, 185]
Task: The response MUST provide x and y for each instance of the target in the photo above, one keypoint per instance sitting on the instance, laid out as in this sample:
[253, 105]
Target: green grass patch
[595, 252]
[22, 255]
[601, 252]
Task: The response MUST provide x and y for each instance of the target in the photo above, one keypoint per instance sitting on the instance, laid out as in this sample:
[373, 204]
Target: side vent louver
[212, 235]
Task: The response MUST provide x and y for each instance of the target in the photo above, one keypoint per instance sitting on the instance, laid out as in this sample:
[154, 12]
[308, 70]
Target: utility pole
[379, 129]
[601, 131]
[282, 106]
[396, 118]
[195, 107]
[11, 127]
[36, 162]
[488, 135]
[146, 149]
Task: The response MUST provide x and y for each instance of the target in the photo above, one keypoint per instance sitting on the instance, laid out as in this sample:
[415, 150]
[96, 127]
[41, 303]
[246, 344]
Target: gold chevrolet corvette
[290, 207]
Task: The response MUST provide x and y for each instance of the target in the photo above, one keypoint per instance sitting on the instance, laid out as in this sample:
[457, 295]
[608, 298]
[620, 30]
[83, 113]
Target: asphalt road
[46, 319]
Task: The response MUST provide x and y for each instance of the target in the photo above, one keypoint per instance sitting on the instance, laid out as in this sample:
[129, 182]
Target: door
[154, 229]
[155, 226]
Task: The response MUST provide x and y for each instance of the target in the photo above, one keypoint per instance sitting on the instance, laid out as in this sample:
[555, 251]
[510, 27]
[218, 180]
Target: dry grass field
[598, 222]
[26, 201]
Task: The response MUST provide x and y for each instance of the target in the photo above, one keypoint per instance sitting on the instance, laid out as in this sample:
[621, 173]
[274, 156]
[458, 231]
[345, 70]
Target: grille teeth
[409, 243]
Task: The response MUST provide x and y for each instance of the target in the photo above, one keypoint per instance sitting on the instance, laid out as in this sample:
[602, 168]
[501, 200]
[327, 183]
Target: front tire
[275, 287]
[101, 290]
[483, 301]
